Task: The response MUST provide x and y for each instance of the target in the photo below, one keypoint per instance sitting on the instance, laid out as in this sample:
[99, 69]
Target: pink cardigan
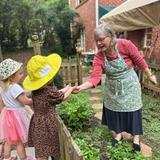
[129, 53]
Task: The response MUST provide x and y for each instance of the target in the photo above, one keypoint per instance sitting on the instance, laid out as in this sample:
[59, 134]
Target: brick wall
[156, 43]
[88, 15]
[72, 3]
[110, 2]
[136, 37]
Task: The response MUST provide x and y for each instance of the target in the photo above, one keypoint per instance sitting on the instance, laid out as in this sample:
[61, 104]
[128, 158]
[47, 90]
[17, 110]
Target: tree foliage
[50, 19]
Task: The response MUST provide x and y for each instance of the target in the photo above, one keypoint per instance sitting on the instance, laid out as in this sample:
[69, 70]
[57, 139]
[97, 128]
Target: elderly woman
[122, 93]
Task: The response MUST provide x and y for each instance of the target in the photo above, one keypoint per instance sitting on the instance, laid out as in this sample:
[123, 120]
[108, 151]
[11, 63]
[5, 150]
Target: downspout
[97, 13]
[71, 29]
[69, 3]
[97, 16]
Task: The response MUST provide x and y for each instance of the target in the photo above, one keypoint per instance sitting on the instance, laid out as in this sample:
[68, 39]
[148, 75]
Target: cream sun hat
[40, 70]
[8, 67]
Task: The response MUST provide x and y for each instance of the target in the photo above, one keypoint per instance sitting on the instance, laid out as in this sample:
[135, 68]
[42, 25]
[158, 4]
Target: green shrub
[58, 81]
[76, 111]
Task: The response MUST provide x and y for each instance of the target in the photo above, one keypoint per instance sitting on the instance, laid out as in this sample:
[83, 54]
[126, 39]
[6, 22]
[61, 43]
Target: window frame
[148, 38]
[80, 2]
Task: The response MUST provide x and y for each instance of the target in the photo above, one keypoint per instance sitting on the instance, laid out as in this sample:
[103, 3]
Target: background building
[90, 11]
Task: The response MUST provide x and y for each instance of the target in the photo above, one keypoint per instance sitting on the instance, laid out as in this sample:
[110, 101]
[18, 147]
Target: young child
[14, 122]
[43, 131]
[1, 142]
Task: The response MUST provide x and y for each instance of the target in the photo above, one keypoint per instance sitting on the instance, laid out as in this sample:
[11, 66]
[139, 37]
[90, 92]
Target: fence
[71, 72]
[147, 86]
[68, 148]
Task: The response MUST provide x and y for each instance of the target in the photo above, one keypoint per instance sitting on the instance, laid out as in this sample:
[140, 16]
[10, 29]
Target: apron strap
[118, 54]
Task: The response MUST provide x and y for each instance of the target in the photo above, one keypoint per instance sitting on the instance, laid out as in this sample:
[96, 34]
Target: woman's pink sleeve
[97, 69]
[136, 57]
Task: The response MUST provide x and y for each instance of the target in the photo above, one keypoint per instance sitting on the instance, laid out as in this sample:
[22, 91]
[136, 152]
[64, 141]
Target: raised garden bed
[94, 140]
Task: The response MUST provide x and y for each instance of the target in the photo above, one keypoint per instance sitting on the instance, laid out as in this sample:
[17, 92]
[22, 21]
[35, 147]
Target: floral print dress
[43, 131]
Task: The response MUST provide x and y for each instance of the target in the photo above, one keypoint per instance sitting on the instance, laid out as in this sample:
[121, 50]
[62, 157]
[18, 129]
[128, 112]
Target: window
[83, 38]
[78, 2]
[148, 37]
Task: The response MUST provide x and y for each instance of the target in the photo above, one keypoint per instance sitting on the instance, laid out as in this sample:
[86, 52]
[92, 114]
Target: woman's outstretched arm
[83, 86]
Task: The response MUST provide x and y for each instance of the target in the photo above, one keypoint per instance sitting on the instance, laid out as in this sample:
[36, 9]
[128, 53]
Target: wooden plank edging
[68, 148]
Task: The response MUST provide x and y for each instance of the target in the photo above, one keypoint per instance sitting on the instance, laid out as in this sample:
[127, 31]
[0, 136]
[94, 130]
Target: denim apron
[122, 88]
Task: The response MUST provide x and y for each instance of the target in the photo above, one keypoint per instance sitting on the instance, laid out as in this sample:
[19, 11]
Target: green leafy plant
[58, 81]
[76, 111]
[88, 150]
[98, 145]
[90, 144]
[123, 151]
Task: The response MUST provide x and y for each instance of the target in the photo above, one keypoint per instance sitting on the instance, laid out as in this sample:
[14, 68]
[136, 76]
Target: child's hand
[65, 89]
[73, 88]
[76, 89]
[68, 92]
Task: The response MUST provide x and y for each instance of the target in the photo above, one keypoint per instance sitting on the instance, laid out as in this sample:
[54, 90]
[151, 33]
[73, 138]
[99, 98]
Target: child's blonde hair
[5, 84]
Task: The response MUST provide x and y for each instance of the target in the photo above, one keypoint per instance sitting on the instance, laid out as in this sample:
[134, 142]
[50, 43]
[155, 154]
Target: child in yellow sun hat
[43, 131]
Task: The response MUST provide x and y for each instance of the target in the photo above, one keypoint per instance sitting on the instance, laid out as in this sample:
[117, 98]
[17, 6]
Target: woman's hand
[76, 89]
[81, 87]
[153, 79]
[151, 76]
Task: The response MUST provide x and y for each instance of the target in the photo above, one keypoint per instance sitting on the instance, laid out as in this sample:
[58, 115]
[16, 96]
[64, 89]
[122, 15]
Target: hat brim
[54, 60]
[19, 65]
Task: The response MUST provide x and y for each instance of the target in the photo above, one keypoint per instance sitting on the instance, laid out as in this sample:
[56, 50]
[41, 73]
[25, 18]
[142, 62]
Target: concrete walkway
[29, 150]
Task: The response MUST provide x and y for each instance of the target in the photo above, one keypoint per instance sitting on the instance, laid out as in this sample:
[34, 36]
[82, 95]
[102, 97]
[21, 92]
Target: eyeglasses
[101, 39]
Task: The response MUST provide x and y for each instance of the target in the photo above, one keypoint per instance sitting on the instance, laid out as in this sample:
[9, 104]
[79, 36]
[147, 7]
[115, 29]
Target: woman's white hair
[105, 29]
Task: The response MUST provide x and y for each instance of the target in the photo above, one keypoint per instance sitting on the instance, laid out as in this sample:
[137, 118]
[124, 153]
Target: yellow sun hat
[40, 70]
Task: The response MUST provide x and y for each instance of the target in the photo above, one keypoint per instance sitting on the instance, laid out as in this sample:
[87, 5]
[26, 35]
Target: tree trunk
[1, 55]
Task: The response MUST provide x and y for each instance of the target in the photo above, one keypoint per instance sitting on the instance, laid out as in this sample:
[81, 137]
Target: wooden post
[79, 68]
[36, 44]
[77, 154]
[1, 55]
[62, 147]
